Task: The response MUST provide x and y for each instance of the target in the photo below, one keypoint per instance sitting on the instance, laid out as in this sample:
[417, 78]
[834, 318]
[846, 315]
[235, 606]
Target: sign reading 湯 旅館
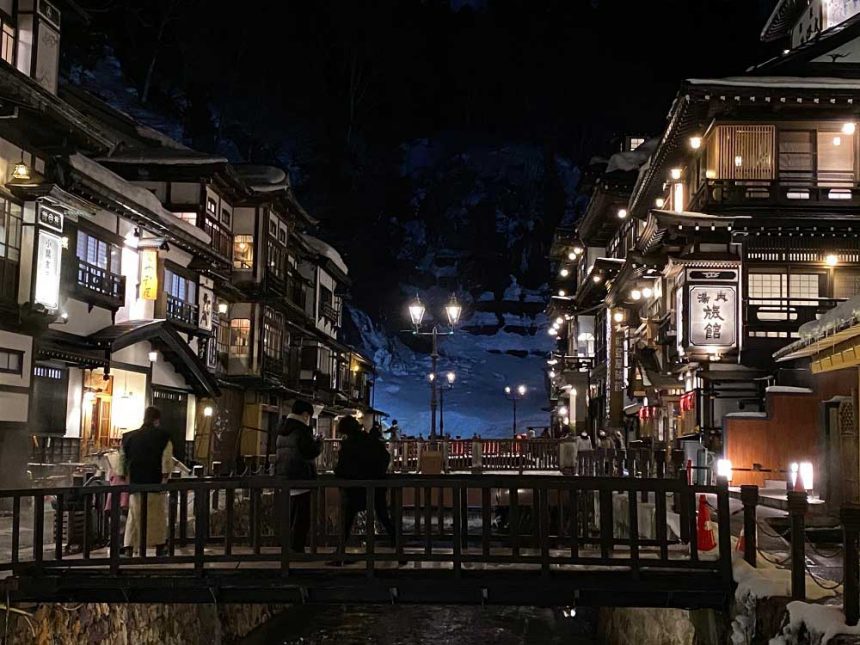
[710, 309]
[148, 274]
[713, 316]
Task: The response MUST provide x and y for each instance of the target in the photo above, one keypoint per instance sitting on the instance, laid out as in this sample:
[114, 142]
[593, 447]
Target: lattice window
[744, 151]
[804, 286]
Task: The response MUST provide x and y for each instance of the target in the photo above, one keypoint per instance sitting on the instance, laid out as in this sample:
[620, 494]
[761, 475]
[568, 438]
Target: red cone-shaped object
[704, 532]
[742, 542]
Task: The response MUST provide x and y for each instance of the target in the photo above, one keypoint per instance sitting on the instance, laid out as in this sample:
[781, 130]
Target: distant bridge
[507, 539]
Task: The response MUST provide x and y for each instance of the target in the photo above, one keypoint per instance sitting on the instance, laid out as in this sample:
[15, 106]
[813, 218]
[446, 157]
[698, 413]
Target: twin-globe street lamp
[450, 377]
[514, 396]
[416, 313]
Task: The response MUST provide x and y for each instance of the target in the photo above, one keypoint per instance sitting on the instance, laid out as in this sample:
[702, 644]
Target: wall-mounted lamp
[207, 411]
[153, 356]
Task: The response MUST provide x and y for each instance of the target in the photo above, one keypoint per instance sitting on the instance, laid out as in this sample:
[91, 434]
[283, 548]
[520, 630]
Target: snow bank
[756, 583]
[787, 389]
[814, 623]
[746, 415]
[776, 82]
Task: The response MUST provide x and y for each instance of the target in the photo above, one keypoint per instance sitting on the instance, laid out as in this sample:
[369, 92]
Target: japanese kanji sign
[713, 316]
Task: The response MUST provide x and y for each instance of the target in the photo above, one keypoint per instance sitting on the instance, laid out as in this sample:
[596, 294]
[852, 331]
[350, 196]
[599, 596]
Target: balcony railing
[329, 312]
[785, 314]
[273, 365]
[102, 282]
[181, 312]
[796, 193]
[222, 242]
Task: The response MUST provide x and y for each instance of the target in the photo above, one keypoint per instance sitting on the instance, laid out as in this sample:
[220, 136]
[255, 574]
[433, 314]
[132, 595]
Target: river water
[424, 625]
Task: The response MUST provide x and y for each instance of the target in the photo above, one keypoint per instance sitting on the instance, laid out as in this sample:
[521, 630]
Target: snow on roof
[787, 389]
[263, 179]
[140, 197]
[781, 82]
[632, 159]
[842, 313]
[164, 156]
[747, 415]
[326, 250]
[151, 134]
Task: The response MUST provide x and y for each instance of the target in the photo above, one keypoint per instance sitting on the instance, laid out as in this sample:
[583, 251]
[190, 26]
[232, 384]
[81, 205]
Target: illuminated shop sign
[148, 274]
[48, 256]
[713, 316]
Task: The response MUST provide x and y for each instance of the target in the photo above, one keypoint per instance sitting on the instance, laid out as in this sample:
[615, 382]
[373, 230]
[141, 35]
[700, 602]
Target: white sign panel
[204, 302]
[47, 291]
[713, 316]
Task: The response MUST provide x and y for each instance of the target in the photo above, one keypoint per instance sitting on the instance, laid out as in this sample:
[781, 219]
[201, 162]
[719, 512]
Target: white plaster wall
[129, 400]
[163, 373]
[81, 321]
[13, 407]
[73, 407]
[20, 343]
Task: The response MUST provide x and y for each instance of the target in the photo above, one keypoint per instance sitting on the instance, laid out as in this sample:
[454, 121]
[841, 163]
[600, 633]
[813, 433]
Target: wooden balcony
[731, 193]
[99, 285]
[180, 312]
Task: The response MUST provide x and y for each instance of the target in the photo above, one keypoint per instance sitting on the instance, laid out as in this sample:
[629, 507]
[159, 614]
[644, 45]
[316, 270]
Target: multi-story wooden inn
[134, 271]
[741, 226]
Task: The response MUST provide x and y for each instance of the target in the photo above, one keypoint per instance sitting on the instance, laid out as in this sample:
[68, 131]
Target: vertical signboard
[204, 305]
[148, 274]
[711, 315]
[48, 255]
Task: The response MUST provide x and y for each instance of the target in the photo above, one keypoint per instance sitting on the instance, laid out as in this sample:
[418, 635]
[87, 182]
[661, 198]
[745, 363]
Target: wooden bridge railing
[459, 521]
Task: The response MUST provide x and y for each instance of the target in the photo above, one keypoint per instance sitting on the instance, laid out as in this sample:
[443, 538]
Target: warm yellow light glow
[678, 197]
[21, 171]
[695, 142]
[453, 311]
[522, 390]
[562, 293]
[596, 278]
[416, 311]
[153, 357]
[711, 174]
[559, 320]
[806, 475]
[222, 308]
[618, 316]
[724, 469]
[577, 250]
[831, 260]
[647, 292]
[659, 202]
[507, 389]
[564, 273]
[622, 213]
[675, 173]
[837, 141]
[551, 374]
[451, 377]
[635, 294]
[552, 331]
[207, 411]
[849, 127]
[571, 256]
[739, 161]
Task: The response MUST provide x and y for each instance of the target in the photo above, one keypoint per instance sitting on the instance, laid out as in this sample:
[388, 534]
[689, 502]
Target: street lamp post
[451, 377]
[515, 395]
[416, 313]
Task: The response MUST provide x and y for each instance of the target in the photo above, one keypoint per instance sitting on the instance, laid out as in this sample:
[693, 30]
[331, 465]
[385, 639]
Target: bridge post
[682, 508]
[477, 455]
[797, 507]
[850, 516]
[749, 498]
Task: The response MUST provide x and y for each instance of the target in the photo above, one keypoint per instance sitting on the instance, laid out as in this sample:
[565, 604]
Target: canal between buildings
[425, 625]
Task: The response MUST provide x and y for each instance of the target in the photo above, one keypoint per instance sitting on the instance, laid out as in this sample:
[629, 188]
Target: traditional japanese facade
[136, 272]
[741, 226]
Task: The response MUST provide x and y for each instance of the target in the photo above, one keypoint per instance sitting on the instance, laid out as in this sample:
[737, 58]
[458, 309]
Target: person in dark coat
[362, 457]
[146, 457]
[297, 448]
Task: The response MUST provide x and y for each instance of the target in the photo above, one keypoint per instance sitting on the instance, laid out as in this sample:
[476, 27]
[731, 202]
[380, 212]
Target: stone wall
[137, 624]
[637, 626]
